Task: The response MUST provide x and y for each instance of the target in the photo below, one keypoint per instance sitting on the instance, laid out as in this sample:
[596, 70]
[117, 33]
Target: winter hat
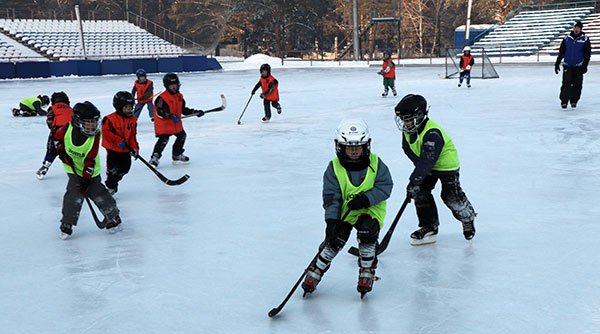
[579, 24]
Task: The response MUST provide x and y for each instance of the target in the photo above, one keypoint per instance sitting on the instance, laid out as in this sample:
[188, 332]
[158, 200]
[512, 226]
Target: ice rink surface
[215, 254]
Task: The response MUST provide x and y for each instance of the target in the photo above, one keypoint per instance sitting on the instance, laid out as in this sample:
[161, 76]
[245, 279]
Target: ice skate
[266, 119]
[366, 277]
[154, 159]
[114, 225]
[459, 84]
[43, 170]
[16, 112]
[468, 85]
[65, 231]
[573, 105]
[279, 110]
[423, 236]
[385, 93]
[180, 159]
[312, 279]
[469, 230]
[394, 91]
[563, 105]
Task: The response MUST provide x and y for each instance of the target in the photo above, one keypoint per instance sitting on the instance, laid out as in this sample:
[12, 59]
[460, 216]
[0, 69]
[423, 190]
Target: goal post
[483, 68]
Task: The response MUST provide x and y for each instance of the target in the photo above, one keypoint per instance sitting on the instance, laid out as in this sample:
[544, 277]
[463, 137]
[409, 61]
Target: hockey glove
[83, 186]
[556, 68]
[359, 202]
[584, 70]
[134, 154]
[199, 113]
[175, 118]
[379, 73]
[412, 190]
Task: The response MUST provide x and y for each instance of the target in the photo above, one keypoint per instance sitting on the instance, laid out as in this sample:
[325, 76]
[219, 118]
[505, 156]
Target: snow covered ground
[215, 254]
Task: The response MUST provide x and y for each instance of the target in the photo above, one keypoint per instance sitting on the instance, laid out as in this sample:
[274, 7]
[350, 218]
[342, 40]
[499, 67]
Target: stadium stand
[529, 31]
[12, 51]
[591, 27]
[109, 39]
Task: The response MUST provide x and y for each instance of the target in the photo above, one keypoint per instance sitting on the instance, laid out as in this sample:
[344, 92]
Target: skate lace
[468, 227]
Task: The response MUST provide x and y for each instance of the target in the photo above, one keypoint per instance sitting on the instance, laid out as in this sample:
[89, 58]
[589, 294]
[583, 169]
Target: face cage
[339, 147]
[415, 124]
[89, 127]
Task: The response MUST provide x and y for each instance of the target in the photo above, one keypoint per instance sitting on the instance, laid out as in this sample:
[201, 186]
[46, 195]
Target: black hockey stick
[277, 309]
[386, 239]
[246, 107]
[162, 177]
[100, 223]
[222, 107]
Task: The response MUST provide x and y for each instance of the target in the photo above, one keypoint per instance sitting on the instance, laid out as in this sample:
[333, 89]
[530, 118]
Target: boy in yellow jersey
[78, 145]
[356, 185]
[433, 153]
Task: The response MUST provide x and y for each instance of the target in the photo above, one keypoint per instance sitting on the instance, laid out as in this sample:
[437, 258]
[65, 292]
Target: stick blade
[353, 250]
[223, 102]
[178, 181]
[274, 312]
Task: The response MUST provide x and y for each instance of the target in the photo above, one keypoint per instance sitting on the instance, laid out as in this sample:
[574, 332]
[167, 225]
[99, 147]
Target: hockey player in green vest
[77, 146]
[356, 185]
[432, 152]
[32, 106]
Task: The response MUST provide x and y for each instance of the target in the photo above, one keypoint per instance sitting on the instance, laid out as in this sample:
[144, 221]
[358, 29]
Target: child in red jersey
[119, 139]
[270, 91]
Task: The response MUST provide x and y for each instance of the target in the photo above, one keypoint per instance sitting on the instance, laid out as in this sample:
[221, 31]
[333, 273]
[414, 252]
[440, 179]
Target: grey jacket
[332, 194]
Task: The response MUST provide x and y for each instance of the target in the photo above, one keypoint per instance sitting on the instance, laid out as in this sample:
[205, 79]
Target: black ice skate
[385, 93]
[366, 277]
[573, 105]
[114, 225]
[469, 230]
[180, 159]
[65, 231]
[423, 236]
[154, 159]
[43, 170]
[266, 119]
[279, 110]
[394, 91]
[563, 105]
[312, 279]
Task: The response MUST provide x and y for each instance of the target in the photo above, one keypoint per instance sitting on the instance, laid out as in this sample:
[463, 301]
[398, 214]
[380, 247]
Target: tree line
[287, 27]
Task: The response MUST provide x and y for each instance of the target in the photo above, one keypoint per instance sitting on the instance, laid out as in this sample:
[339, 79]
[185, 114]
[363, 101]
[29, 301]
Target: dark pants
[117, 166]
[267, 103]
[163, 140]
[367, 229]
[26, 111]
[452, 195]
[137, 110]
[572, 82]
[463, 75]
[73, 200]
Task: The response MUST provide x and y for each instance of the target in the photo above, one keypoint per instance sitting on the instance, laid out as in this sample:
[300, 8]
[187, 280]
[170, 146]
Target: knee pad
[338, 236]
[368, 230]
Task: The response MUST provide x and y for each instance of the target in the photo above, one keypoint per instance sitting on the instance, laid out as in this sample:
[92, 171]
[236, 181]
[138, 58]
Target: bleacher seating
[530, 31]
[591, 27]
[59, 39]
[13, 51]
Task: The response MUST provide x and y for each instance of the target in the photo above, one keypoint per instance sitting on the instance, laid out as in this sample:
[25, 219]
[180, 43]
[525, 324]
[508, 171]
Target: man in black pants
[575, 51]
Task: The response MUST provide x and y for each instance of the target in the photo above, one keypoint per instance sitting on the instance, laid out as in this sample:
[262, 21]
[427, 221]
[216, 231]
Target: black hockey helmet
[169, 79]
[265, 67]
[59, 97]
[122, 99]
[86, 117]
[45, 99]
[411, 112]
[387, 53]
[140, 72]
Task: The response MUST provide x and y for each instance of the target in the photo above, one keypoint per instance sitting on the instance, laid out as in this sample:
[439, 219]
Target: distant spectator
[144, 88]
[575, 51]
[32, 106]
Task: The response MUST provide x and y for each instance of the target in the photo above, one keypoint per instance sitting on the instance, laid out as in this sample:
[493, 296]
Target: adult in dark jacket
[575, 51]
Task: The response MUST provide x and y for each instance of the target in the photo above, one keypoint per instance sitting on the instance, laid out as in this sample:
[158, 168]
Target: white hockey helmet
[353, 132]
[467, 49]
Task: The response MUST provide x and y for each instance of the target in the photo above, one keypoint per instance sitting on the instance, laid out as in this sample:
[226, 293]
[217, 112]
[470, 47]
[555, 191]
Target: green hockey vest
[28, 102]
[78, 153]
[349, 191]
[448, 159]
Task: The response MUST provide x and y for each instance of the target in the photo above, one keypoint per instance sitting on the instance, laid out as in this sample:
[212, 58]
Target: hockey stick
[222, 107]
[277, 309]
[240, 119]
[99, 223]
[386, 239]
[162, 177]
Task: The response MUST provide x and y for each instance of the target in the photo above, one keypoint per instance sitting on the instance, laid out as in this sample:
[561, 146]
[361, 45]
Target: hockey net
[482, 69]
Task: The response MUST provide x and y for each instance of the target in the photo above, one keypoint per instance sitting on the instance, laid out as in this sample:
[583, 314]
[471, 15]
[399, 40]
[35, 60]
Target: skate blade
[427, 240]
[63, 236]
[177, 162]
[115, 229]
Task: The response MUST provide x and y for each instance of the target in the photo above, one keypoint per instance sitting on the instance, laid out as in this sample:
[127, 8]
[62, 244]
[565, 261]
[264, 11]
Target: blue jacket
[576, 51]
